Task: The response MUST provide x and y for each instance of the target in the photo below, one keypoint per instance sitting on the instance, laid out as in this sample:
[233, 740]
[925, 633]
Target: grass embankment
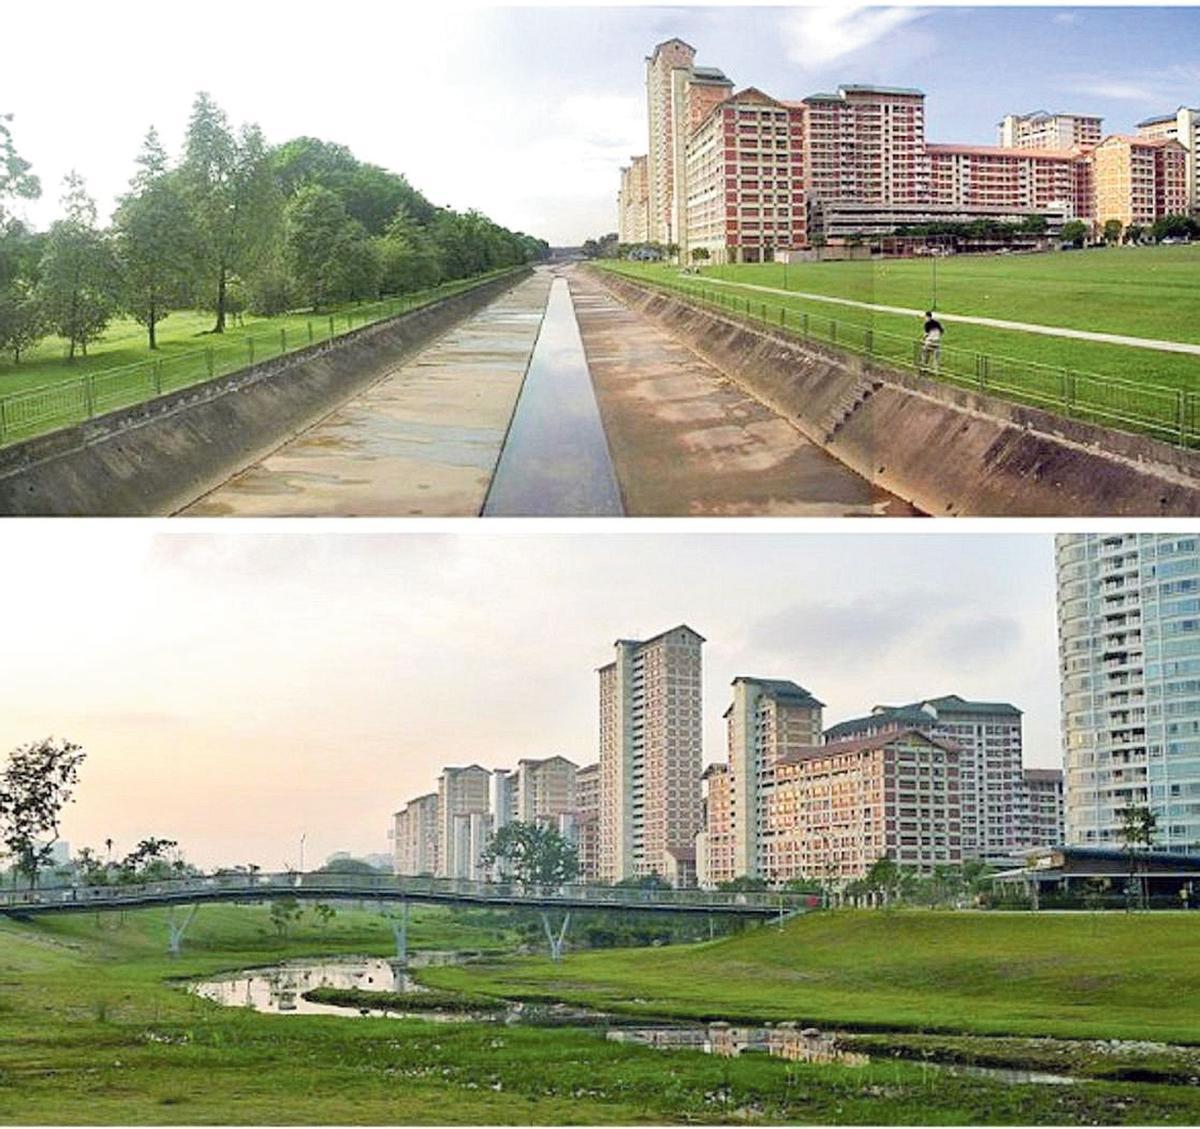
[1143, 292]
[1070, 975]
[49, 391]
[91, 1032]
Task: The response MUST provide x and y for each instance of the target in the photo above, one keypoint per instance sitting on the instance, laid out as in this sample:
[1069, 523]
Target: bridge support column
[176, 928]
[556, 941]
[400, 932]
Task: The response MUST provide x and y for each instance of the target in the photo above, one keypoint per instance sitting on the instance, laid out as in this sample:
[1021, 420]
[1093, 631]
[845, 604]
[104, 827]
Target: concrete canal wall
[946, 450]
[156, 457]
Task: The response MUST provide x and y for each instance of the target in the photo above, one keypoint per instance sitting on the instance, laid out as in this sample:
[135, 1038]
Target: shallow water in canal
[555, 461]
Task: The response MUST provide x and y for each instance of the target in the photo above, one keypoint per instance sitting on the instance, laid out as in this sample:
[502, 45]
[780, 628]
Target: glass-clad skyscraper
[1129, 659]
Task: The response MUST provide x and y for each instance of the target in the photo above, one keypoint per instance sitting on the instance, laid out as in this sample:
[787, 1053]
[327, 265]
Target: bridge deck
[387, 888]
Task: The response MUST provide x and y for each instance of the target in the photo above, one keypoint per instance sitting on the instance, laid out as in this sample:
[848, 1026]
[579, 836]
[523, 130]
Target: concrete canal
[553, 400]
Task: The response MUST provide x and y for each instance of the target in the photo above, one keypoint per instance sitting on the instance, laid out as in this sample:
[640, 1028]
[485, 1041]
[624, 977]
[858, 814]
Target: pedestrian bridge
[325, 886]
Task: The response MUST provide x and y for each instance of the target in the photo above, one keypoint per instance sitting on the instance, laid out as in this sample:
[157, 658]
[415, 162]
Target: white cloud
[1068, 18]
[815, 37]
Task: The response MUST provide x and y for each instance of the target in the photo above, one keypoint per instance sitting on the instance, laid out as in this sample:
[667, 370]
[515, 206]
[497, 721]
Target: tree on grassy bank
[155, 240]
[78, 289]
[37, 783]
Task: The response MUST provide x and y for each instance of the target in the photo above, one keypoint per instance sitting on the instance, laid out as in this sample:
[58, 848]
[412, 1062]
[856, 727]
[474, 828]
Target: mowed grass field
[92, 1031]
[1151, 292]
[46, 390]
[1071, 975]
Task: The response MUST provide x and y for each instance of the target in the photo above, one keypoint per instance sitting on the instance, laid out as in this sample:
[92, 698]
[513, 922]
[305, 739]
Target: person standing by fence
[931, 346]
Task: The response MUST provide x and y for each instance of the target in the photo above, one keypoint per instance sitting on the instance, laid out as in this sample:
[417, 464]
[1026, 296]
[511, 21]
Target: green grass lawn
[1071, 975]
[1149, 292]
[46, 391]
[92, 1031]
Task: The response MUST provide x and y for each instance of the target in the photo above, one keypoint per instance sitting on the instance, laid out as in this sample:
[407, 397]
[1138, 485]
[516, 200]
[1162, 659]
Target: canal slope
[424, 440]
[686, 440]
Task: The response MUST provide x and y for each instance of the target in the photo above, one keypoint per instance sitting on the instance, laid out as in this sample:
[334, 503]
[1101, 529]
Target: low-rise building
[1042, 812]
[986, 179]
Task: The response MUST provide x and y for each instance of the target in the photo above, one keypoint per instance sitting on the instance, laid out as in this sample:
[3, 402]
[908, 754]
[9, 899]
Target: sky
[237, 690]
[528, 113]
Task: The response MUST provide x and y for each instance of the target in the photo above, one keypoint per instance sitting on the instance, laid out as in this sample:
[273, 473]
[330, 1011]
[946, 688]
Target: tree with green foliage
[701, 255]
[79, 284]
[230, 187]
[408, 256]
[323, 246]
[37, 783]
[324, 915]
[22, 320]
[1174, 226]
[17, 182]
[284, 912]
[155, 243]
[1112, 231]
[1134, 233]
[532, 854]
[1074, 231]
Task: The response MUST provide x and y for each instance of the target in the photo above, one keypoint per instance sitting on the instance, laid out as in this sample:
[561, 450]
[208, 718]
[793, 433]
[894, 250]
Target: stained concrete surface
[687, 441]
[424, 440]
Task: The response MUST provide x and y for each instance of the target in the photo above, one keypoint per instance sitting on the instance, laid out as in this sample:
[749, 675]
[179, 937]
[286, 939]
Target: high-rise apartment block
[743, 176]
[633, 203]
[745, 180]
[464, 820]
[415, 836]
[545, 789]
[1129, 656]
[650, 753]
[768, 719]
[1042, 812]
[1139, 179]
[1182, 126]
[991, 783]
[894, 794]
[587, 821]
[1041, 130]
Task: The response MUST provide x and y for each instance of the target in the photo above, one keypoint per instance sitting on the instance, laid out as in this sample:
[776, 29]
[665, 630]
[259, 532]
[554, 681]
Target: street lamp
[303, 836]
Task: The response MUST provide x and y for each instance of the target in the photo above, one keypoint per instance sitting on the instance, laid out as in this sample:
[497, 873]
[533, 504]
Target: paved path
[423, 440]
[686, 440]
[995, 323]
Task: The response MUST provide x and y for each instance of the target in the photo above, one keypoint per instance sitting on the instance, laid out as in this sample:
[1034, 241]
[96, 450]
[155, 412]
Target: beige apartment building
[768, 719]
[1139, 179]
[1041, 130]
[545, 789]
[715, 840]
[849, 803]
[633, 203]
[745, 180]
[415, 836]
[991, 782]
[667, 57]
[650, 753]
[587, 821]
[464, 820]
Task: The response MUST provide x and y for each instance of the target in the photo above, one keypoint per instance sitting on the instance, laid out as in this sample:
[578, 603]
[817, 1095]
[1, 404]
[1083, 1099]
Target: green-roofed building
[996, 820]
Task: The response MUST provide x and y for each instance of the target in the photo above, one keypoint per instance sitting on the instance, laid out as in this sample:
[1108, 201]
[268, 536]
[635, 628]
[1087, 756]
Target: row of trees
[1114, 231]
[234, 225]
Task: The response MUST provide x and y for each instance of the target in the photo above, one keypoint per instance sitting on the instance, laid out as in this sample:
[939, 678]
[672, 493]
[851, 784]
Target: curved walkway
[994, 323]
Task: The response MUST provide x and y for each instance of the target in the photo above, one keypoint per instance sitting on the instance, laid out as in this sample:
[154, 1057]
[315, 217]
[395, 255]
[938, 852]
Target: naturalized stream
[283, 989]
[555, 461]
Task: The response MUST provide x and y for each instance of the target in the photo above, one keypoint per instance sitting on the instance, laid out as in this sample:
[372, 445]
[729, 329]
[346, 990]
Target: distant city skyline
[235, 691]
[537, 108]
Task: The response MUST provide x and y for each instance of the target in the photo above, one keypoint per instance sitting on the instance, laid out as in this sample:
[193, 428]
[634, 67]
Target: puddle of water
[555, 461]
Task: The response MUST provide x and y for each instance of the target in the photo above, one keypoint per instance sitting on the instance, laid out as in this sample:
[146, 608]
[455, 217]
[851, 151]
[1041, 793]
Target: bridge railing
[367, 886]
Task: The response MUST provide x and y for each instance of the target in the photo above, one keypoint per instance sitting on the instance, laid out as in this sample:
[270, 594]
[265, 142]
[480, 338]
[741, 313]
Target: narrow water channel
[555, 461]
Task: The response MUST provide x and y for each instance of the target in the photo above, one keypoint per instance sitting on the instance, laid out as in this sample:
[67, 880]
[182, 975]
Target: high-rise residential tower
[464, 820]
[666, 58]
[415, 836]
[1129, 658]
[767, 719]
[1041, 130]
[545, 789]
[650, 753]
